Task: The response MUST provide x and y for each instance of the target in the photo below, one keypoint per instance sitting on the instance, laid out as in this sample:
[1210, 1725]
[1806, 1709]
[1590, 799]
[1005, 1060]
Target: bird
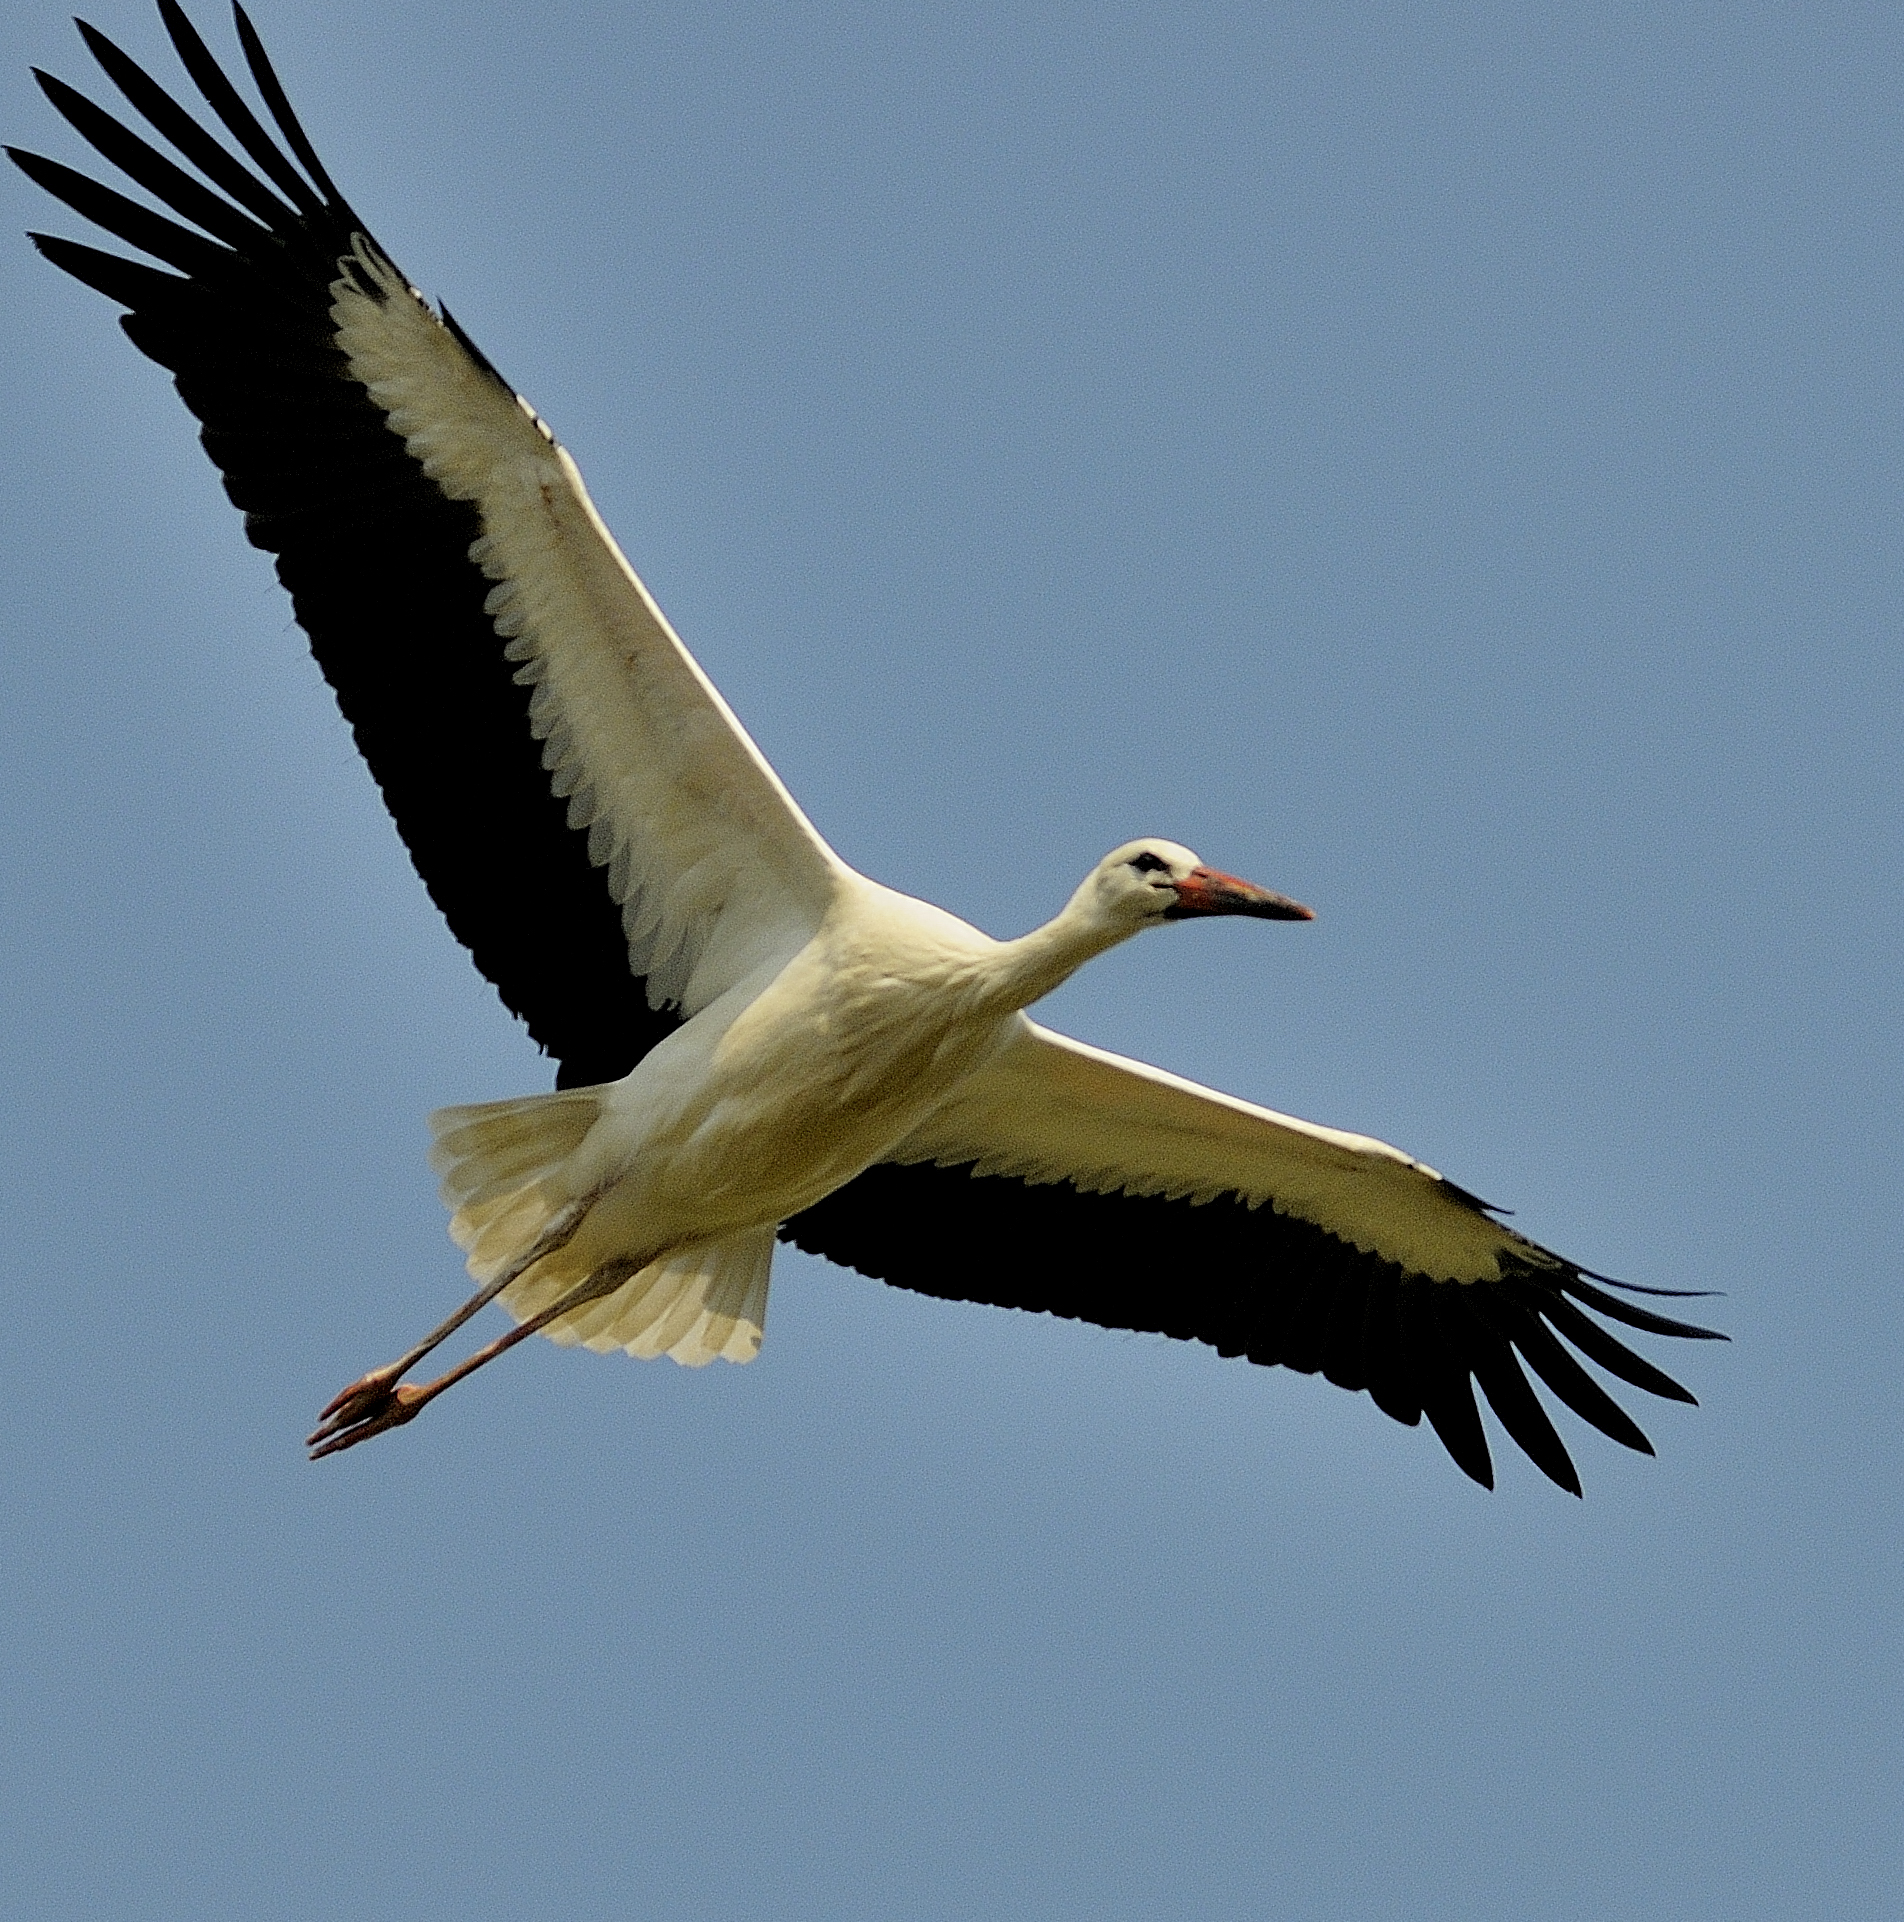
[754, 1043]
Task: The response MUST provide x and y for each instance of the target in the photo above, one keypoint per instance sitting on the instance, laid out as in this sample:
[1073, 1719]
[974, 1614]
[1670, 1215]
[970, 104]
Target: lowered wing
[528, 714]
[1066, 1179]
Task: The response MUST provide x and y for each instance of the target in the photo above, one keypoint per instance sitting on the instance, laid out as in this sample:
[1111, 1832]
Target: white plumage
[756, 1042]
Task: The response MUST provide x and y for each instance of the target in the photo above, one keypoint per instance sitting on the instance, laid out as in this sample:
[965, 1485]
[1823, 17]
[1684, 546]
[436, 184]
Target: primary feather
[751, 1039]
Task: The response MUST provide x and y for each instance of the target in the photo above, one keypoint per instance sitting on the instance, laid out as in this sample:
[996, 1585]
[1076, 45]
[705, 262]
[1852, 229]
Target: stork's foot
[366, 1408]
[361, 1398]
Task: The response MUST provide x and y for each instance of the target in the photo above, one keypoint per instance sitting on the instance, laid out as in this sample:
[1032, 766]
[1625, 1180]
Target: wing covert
[1070, 1181]
[525, 710]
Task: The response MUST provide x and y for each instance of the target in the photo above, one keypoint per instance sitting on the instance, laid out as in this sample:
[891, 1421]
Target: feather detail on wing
[1047, 1108]
[526, 711]
[1062, 1179]
[713, 865]
[700, 1304]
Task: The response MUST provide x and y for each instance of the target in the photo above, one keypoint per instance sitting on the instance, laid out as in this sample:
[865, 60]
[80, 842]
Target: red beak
[1205, 891]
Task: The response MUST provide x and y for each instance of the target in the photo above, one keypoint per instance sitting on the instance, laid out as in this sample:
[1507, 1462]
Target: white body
[785, 1087]
[825, 1023]
[834, 1023]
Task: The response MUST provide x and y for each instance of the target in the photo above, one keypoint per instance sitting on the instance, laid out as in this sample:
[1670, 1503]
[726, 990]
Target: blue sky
[1440, 461]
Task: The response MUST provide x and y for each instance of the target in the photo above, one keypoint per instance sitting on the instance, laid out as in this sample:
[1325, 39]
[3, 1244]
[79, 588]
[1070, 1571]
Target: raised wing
[1065, 1179]
[524, 707]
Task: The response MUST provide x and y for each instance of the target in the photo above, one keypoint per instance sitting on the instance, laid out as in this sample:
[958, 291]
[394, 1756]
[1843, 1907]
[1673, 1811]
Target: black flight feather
[376, 558]
[377, 561]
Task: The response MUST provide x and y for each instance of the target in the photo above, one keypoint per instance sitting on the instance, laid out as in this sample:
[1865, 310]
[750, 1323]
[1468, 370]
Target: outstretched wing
[1073, 1181]
[527, 712]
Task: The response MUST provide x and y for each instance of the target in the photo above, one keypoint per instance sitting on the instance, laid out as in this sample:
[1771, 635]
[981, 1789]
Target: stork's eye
[1148, 863]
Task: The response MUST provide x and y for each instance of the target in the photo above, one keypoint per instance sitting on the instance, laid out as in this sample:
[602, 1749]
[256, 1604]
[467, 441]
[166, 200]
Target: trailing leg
[405, 1401]
[374, 1394]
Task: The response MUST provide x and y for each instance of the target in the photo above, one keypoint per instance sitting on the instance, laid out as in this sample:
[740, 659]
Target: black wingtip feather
[1482, 1349]
[272, 91]
[1639, 1288]
[1605, 1351]
[375, 557]
[150, 168]
[1455, 1419]
[138, 226]
[162, 112]
[1255, 1282]
[1521, 1325]
[240, 122]
[127, 283]
[1633, 1317]
[249, 332]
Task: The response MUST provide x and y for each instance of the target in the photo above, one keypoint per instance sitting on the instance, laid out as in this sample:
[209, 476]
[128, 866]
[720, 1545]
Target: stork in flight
[754, 1042]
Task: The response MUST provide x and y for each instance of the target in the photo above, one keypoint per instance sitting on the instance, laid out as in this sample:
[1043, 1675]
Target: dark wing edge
[1267, 1286]
[374, 555]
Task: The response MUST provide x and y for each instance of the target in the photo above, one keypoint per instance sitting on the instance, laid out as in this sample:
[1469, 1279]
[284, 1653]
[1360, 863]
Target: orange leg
[404, 1401]
[376, 1395]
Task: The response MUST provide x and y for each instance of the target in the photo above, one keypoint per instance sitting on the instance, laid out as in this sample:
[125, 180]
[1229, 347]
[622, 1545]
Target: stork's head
[1151, 880]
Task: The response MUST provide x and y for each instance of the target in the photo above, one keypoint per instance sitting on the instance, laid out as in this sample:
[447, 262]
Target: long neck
[1023, 971]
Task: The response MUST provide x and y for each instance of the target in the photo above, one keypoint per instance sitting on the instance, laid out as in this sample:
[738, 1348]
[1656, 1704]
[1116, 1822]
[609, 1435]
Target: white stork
[753, 1040]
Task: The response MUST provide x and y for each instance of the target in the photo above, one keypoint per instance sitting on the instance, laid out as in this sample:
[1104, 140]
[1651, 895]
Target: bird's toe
[363, 1397]
[356, 1420]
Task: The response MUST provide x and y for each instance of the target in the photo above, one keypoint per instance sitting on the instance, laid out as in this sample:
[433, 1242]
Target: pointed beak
[1205, 891]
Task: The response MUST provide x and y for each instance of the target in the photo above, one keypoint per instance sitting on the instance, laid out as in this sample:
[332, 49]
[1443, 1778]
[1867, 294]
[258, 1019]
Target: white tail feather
[501, 1164]
[698, 1305]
